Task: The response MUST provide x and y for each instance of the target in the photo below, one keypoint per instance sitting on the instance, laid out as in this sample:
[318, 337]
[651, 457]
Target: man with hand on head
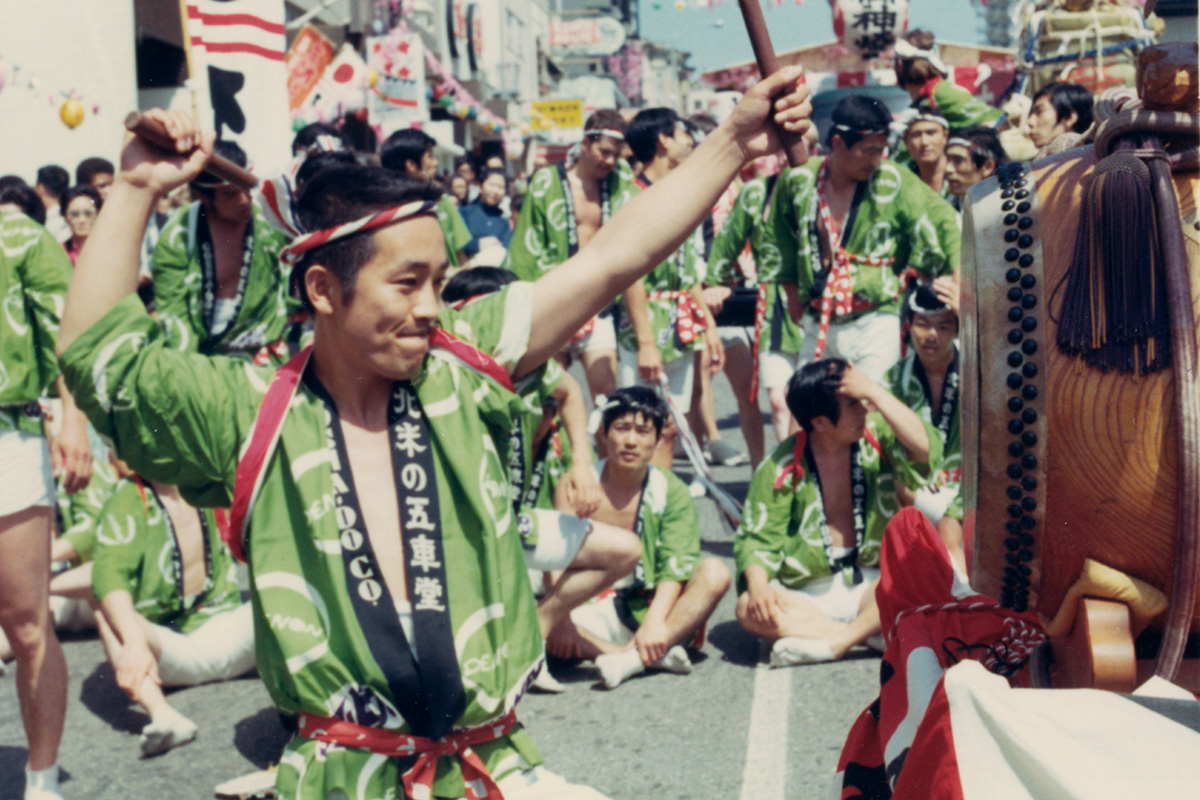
[394, 421]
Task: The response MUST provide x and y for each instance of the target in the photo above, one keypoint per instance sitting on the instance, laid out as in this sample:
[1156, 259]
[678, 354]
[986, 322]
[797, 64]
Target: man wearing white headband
[860, 227]
[218, 287]
[393, 617]
[925, 139]
[972, 155]
[563, 209]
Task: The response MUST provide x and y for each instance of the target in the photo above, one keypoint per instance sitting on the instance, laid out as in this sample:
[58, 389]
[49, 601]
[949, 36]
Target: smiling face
[933, 336]
[631, 440]
[385, 318]
[492, 190]
[926, 141]
[81, 213]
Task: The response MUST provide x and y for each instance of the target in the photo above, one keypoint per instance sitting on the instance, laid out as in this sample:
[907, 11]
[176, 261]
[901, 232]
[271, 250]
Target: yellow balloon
[71, 113]
[372, 77]
[679, 4]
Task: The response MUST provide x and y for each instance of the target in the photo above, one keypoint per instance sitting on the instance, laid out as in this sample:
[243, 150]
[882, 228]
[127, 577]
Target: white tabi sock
[793, 650]
[168, 728]
[546, 682]
[42, 784]
[616, 668]
[676, 660]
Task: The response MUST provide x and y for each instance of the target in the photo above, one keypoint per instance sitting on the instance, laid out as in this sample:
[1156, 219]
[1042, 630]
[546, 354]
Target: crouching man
[662, 608]
[171, 612]
[808, 547]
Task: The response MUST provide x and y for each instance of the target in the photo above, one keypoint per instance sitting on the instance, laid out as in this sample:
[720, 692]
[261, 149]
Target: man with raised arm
[807, 549]
[392, 611]
[563, 210]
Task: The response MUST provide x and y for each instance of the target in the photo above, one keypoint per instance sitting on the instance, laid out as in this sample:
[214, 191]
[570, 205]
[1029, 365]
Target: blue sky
[712, 45]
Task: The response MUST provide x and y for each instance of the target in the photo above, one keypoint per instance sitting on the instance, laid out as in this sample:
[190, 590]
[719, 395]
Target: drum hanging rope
[153, 132]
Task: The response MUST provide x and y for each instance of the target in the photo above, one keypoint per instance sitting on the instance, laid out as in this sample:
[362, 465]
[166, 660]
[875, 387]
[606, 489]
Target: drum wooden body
[1082, 463]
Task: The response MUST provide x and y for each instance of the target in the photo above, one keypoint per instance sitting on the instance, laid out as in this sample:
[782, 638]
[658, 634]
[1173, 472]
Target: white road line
[765, 775]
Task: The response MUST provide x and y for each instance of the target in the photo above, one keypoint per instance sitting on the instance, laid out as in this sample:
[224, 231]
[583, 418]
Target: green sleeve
[47, 271]
[498, 324]
[961, 108]
[678, 548]
[120, 542]
[934, 244]
[169, 266]
[530, 239]
[457, 234]
[727, 245]
[762, 536]
[170, 415]
[913, 474]
[790, 232]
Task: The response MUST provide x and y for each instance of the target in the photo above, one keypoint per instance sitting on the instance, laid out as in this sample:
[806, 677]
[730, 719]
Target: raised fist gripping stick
[764, 54]
[152, 131]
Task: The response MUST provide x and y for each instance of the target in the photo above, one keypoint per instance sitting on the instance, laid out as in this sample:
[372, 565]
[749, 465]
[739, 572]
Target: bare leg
[781, 417]
[702, 415]
[600, 367]
[699, 599]
[148, 695]
[25, 619]
[664, 454]
[951, 531]
[738, 368]
[608, 554]
[802, 619]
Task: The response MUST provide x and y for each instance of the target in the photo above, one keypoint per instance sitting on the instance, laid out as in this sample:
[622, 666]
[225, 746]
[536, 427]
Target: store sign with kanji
[554, 114]
[586, 37]
[869, 27]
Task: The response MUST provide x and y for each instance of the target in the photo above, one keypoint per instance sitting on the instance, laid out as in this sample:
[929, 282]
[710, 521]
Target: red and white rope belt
[838, 298]
[760, 315]
[418, 780]
[689, 318]
[583, 332]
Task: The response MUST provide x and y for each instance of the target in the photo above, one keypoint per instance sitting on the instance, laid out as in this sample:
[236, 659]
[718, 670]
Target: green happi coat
[905, 383]
[784, 530]
[895, 215]
[136, 550]
[670, 532]
[746, 222]
[958, 106]
[539, 242]
[179, 289]
[313, 655]
[34, 273]
[453, 228]
[80, 512]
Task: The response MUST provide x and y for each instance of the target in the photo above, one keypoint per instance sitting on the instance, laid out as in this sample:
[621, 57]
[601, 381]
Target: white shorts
[73, 616]
[602, 338]
[733, 336]
[540, 783]
[871, 342]
[559, 537]
[833, 597]
[599, 617]
[679, 373]
[775, 369]
[25, 472]
[220, 649]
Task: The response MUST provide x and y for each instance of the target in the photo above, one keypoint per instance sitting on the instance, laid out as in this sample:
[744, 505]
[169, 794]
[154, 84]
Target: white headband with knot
[620, 137]
[906, 50]
[958, 141]
[927, 117]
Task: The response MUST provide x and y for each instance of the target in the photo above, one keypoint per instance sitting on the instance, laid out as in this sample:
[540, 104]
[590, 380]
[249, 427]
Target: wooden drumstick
[153, 132]
[793, 144]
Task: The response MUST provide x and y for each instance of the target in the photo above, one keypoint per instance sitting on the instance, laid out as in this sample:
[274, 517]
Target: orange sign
[307, 58]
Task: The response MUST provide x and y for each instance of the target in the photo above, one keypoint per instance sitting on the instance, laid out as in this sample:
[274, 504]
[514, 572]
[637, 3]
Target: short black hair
[635, 400]
[54, 178]
[606, 119]
[22, 195]
[643, 131]
[489, 171]
[307, 136]
[1068, 97]
[813, 391]
[79, 190]
[856, 116]
[475, 282]
[7, 181]
[321, 160]
[205, 183]
[89, 168]
[342, 194]
[985, 144]
[470, 162]
[403, 146]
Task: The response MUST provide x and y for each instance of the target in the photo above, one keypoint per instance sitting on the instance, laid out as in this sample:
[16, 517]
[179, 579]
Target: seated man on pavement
[652, 616]
[808, 547]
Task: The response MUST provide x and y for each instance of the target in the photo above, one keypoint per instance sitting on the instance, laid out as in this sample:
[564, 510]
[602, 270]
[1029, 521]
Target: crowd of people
[289, 382]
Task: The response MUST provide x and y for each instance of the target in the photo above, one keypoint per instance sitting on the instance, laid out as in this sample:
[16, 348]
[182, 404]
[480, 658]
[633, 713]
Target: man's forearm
[574, 417]
[107, 270]
[123, 618]
[905, 423]
[637, 303]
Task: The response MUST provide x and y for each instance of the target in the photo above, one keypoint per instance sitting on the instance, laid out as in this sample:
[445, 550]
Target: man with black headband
[860, 227]
[563, 210]
[218, 285]
[927, 380]
[972, 154]
[808, 547]
[663, 606]
[392, 612]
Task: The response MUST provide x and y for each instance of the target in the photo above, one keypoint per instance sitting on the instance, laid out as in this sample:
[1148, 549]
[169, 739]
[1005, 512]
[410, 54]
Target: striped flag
[238, 74]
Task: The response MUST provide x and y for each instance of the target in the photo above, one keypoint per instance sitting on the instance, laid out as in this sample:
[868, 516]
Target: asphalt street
[732, 729]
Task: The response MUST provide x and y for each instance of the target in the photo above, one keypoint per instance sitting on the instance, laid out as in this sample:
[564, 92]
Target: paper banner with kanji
[397, 98]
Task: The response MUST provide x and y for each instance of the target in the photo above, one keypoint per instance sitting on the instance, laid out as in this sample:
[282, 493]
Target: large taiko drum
[1062, 461]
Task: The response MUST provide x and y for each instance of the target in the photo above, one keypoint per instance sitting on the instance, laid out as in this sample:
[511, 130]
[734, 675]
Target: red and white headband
[310, 241]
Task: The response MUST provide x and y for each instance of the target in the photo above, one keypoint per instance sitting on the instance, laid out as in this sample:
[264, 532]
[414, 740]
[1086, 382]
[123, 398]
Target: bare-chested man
[662, 607]
[563, 209]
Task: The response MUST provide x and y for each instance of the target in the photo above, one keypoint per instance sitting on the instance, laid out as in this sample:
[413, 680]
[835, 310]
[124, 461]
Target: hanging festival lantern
[868, 27]
[71, 113]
